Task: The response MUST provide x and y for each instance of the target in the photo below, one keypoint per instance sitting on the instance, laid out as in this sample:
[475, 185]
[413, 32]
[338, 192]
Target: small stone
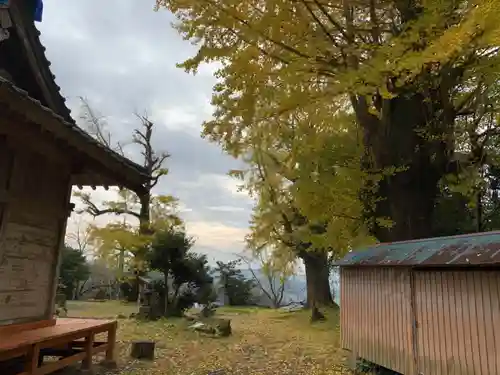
[197, 325]
[121, 316]
[202, 327]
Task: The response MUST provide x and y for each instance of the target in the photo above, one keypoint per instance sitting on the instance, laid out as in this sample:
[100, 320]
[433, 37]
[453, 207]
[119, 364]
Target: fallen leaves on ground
[264, 342]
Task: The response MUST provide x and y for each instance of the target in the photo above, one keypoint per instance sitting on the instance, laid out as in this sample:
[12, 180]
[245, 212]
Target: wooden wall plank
[30, 240]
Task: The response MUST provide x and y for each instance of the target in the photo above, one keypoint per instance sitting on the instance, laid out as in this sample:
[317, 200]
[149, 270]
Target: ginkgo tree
[307, 200]
[407, 70]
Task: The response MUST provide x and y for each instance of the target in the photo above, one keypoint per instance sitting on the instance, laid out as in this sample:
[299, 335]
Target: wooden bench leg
[32, 360]
[110, 352]
[89, 344]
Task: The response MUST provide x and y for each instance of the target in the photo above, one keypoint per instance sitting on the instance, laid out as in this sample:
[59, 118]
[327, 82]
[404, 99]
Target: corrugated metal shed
[470, 249]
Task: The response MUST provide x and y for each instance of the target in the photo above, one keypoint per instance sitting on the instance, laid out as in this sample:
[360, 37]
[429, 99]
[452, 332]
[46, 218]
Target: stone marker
[143, 350]
[223, 328]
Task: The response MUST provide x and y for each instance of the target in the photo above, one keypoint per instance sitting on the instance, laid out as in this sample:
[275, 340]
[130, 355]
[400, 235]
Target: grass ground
[264, 342]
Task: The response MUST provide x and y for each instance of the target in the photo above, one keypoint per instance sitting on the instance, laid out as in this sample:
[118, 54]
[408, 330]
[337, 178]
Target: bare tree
[137, 204]
[152, 160]
[276, 274]
[80, 238]
[97, 126]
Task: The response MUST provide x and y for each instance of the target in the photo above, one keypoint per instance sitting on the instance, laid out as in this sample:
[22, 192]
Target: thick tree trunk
[412, 135]
[317, 278]
[144, 229]
[166, 290]
[144, 215]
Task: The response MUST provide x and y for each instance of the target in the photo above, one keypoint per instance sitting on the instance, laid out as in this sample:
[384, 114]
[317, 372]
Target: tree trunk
[317, 278]
[144, 216]
[144, 229]
[395, 138]
[166, 290]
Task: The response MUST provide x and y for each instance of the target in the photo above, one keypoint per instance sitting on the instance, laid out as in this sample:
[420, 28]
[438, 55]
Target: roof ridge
[473, 249]
[474, 234]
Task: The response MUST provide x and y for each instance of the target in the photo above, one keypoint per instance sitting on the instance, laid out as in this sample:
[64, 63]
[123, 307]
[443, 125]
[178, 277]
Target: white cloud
[227, 183]
[120, 69]
[177, 118]
[217, 236]
[226, 208]
[209, 69]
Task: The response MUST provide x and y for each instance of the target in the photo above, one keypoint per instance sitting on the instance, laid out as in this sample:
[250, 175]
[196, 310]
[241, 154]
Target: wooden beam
[97, 156]
[58, 250]
[64, 362]
[15, 328]
[22, 136]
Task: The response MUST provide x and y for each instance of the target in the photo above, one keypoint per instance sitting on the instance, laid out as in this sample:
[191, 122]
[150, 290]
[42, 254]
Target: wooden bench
[72, 340]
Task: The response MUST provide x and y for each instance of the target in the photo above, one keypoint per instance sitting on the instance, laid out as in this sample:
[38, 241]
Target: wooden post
[89, 345]
[63, 221]
[110, 352]
[31, 363]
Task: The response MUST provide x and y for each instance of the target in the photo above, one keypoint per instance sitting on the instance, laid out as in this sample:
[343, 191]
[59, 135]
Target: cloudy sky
[121, 56]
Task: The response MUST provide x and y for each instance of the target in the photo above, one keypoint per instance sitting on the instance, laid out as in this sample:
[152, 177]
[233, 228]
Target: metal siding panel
[342, 311]
[380, 304]
[345, 309]
[376, 342]
[397, 311]
[352, 306]
[451, 323]
[442, 332]
[394, 312]
[348, 302]
[406, 322]
[481, 349]
[466, 320]
[471, 306]
[375, 317]
[391, 354]
[372, 297]
[459, 327]
[458, 315]
[495, 317]
[432, 322]
[423, 338]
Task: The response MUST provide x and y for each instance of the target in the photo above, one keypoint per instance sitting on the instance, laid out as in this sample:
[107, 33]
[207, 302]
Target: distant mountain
[295, 288]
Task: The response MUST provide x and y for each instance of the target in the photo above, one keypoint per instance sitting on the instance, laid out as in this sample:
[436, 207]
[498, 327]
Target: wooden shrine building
[43, 153]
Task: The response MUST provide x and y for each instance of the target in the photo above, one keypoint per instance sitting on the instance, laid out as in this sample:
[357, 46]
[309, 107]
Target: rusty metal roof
[463, 250]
